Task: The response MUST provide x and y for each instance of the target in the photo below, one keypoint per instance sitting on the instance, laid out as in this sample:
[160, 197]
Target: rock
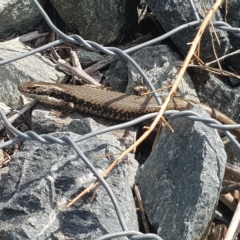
[5, 108]
[32, 68]
[117, 76]
[44, 121]
[233, 155]
[233, 18]
[160, 64]
[14, 19]
[180, 181]
[3, 177]
[172, 14]
[88, 58]
[99, 21]
[42, 178]
[212, 90]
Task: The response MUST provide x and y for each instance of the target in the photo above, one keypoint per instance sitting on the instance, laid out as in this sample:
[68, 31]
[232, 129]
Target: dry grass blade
[223, 57]
[216, 71]
[141, 209]
[21, 112]
[183, 68]
[213, 46]
[234, 225]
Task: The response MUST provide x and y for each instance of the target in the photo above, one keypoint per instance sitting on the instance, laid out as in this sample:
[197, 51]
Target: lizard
[108, 104]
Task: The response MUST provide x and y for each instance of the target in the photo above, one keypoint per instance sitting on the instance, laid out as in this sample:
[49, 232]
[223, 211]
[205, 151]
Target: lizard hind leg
[65, 110]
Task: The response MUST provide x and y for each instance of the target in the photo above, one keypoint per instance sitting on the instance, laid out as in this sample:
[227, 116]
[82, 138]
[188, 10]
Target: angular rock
[88, 58]
[180, 181]
[44, 121]
[5, 108]
[212, 90]
[99, 21]
[14, 19]
[160, 64]
[42, 178]
[233, 19]
[117, 76]
[233, 155]
[172, 14]
[32, 68]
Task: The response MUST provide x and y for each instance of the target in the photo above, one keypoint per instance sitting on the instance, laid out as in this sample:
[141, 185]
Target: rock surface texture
[42, 178]
[32, 68]
[101, 21]
[172, 14]
[18, 16]
[181, 180]
[160, 64]
[212, 90]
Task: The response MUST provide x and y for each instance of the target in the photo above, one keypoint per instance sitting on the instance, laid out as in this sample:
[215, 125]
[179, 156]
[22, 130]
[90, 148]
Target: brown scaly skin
[109, 104]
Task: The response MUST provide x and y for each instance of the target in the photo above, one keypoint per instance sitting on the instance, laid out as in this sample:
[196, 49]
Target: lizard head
[39, 88]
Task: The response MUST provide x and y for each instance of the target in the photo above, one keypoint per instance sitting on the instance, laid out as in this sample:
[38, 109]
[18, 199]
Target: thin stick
[75, 71]
[141, 209]
[216, 71]
[234, 224]
[213, 46]
[223, 57]
[21, 112]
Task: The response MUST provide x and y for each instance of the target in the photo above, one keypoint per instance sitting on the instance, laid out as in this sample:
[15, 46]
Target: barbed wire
[118, 53]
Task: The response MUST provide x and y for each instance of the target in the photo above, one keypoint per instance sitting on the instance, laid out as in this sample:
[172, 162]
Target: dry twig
[18, 114]
[76, 70]
[216, 71]
[223, 57]
[141, 209]
[234, 225]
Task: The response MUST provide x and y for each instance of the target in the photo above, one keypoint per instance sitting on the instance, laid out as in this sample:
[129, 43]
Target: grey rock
[14, 19]
[160, 64]
[210, 89]
[117, 76]
[32, 68]
[3, 177]
[44, 121]
[233, 19]
[234, 82]
[233, 155]
[99, 21]
[172, 14]
[5, 108]
[42, 178]
[3, 172]
[180, 181]
[87, 58]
